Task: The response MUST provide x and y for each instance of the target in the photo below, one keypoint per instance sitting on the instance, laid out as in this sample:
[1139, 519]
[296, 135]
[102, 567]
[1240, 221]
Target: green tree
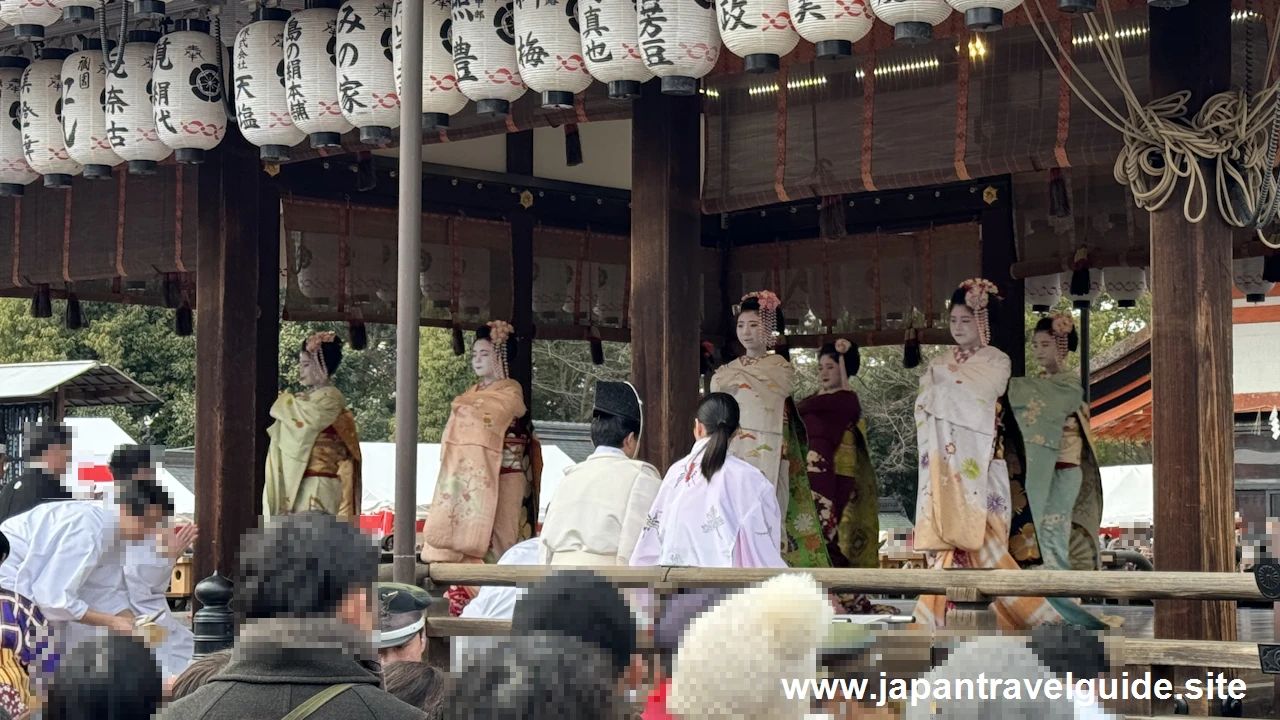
[442, 376]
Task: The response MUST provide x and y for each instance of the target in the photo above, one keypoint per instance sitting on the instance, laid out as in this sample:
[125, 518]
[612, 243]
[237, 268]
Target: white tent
[92, 442]
[378, 473]
[1127, 495]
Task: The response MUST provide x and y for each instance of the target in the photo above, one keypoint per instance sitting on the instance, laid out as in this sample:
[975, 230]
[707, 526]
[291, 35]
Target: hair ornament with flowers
[1063, 326]
[977, 297]
[843, 346]
[315, 343]
[499, 332]
[769, 304]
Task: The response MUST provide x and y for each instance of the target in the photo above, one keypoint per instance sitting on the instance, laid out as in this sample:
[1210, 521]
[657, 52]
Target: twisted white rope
[1162, 145]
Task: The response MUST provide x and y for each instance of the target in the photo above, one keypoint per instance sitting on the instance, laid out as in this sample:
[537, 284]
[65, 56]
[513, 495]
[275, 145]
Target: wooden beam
[1191, 342]
[230, 331]
[666, 224]
[520, 162]
[999, 250]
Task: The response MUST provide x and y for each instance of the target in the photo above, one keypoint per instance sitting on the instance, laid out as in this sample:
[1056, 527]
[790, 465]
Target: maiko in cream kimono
[313, 462]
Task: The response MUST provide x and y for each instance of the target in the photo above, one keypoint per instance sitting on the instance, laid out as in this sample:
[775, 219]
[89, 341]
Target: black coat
[35, 486]
[266, 681]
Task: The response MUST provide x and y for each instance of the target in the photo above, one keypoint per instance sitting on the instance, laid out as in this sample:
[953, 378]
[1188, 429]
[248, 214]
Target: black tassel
[1271, 268]
[1080, 281]
[41, 305]
[572, 145]
[597, 349]
[831, 221]
[366, 176]
[357, 334]
[171, 289]
[911, 351]
[1059, 201]
[459, 346]
[183, 321]
[74, 319]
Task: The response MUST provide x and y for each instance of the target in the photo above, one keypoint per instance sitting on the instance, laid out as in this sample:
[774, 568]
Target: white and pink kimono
[732, 520]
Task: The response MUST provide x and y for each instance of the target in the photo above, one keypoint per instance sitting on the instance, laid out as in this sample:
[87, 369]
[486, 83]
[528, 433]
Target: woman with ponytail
[713, 510]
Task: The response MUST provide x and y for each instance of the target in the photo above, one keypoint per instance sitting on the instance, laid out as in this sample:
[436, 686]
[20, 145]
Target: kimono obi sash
[327, 454]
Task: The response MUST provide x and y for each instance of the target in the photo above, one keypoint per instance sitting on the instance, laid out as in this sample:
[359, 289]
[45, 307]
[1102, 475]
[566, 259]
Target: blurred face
[56, 459]
[309, 370]
[357, 611]
[964, 327]
[829, 373]
[484, 360]
[1045, 350]
[135, 528]
[751, 333]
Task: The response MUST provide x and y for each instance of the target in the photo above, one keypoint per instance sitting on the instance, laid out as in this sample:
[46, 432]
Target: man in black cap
[401, 622]
[600, 507]
[48, 452]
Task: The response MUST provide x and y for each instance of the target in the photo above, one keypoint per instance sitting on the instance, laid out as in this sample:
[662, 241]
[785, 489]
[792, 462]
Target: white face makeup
[484, 360]
[311, 372]
[1045, 350]
[751, 333]
[829, 373]
[964, 328]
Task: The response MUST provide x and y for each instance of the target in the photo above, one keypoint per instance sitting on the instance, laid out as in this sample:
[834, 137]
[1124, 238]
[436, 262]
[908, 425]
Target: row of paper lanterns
[1126, 284]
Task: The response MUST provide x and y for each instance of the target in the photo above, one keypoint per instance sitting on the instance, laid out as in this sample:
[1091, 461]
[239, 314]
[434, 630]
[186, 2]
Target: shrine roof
[84, 383]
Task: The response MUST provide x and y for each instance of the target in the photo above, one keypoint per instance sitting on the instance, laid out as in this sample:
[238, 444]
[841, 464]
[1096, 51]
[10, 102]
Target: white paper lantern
[611, 46]
[29, 18]
[366, 78]
[758, 31]
[484, 55]
[1248, 277]
[76, 10]
[131, 122]
[984, 15]
[1043, 292]
[680, 41]
[912, 20]
[832, 26]
[188, 91]
[473, 284]
[1095, 289]
[1125, 284]
[436, 275]
[84, 117]
[440, 94]
[610, 292]
[262, 112]
[41, 113]
[549, 50]
[15, 172]
[311, 73]
[148, 8]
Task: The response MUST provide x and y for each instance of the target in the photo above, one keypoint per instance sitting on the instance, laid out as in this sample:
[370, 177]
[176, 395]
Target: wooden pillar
[237, 339]
[1191, 390]
[665, 226]
[999, 252]
[520, 162]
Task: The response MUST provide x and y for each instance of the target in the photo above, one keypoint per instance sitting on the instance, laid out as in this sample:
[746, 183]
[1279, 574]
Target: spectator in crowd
[48, 453]
[417, 684]
[582, 605]
[305, 596]
[106, 678]
[402, 633]
[199, 672]
[1051, 651]
[732, 660]
[493, 602]
[537, 677]
[25, 638]
[680, 610]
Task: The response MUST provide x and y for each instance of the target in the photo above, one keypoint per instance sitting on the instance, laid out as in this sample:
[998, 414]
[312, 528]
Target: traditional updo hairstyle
[330, 353]
[1045, 325]
[719, 414]
[512, 346]
[752, 304]
[993, 305]
[850, 357]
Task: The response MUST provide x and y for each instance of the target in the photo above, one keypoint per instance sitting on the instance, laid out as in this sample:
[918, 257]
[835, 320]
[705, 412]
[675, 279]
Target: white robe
[732, 520]
[147, 576]
[493, 602]
[598, 511]
[67, 558]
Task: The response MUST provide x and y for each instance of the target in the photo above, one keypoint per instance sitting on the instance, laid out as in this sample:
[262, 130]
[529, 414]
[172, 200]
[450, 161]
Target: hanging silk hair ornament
[42, 141]
[549, 51]
[912, 20]
[189, 91]
[262, 107]
[15, 171]
[758, 31]
[832, 27]
[984, 15]
[29, 18]
[977, 297]
[131, 122]
[441, 97]
[680, 41]
[366, 76]
[311, 75]
[611, 46]
[1063, 325]
[768, 304]
[484, 57]
[499, 333]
